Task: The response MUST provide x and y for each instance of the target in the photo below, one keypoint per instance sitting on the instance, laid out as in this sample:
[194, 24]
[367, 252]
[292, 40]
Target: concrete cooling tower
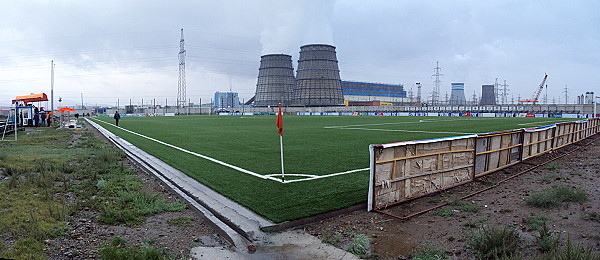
[318, 77]
[457, 96]
[488, 96]
[275, 80]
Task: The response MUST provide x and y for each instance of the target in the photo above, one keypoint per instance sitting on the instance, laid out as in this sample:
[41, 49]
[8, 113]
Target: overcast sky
[121, 50]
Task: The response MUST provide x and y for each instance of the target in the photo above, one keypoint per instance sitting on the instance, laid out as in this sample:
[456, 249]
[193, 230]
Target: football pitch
[326, 157]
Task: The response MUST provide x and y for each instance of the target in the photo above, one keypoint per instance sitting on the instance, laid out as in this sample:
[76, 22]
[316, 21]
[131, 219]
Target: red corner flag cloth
[279, 122]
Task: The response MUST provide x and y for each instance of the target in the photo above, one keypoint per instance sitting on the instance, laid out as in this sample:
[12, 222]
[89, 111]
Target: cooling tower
[488, 96]
[458, 94]
[318, 77]
[275, 80]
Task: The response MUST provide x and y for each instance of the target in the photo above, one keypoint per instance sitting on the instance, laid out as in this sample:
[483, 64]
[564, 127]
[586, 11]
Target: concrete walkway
[239, 225]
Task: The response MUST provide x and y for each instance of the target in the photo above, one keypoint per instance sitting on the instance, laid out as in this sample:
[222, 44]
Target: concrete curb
[236, 223]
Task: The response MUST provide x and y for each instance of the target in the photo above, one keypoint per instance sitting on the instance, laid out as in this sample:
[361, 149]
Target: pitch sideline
[237, 168]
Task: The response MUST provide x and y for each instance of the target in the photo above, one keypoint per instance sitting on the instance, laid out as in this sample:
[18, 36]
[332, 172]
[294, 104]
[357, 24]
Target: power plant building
[488, 95]
[363, 91]
[317, 77]
[227, 99]
[275, 80]
[457, 96]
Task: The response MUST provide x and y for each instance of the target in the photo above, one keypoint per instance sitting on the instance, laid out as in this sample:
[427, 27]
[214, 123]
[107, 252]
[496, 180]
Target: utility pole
[181, 83]
[497, 91]
[418, 93]
[504, 93]
[436, 84]
[51, 86]
[566, 91]
[82, 107]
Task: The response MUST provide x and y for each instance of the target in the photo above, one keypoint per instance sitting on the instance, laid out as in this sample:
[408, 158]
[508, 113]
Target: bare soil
[392, 238]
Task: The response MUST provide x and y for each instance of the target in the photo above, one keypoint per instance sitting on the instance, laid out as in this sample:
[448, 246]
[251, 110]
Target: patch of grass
[182, 221]
[536, 221]
[552, 166]
[592, 216]
[548, 179]
[569, 252]
[493, 242]
[466, 206]
[444, 213]
[550, 198]
[569, 194]
[429, 252]
[545, 240]
[118, 250]
[131, 208]
[25, 248]
[359, 245]
[331, 239]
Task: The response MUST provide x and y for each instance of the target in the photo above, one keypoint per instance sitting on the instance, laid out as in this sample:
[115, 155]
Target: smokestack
[318, 77]
[275, 80]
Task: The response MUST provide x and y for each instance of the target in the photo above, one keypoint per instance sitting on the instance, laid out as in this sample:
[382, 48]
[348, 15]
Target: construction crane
[537, 93]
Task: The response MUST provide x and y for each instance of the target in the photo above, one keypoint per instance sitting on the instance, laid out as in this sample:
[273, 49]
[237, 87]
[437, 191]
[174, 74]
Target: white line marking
[533, 123]
[264, 177]
[395, 123]
[399, 130]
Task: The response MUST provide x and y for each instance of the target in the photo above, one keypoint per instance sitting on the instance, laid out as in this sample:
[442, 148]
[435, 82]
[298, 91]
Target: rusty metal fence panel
[408, 170]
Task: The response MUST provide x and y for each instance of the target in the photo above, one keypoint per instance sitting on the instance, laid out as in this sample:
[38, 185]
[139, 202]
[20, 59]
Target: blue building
[227, 99]
[364, 91]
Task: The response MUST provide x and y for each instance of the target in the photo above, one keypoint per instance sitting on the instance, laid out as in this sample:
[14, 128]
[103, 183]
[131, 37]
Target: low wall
[407, 170]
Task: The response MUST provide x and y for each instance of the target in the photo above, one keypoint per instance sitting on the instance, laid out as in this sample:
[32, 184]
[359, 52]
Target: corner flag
[279, 125]
[279, 122]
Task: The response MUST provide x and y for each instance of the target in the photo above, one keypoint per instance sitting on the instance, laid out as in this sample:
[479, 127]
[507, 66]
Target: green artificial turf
[311, 146]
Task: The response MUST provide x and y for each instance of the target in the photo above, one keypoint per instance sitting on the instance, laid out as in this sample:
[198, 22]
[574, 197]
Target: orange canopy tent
[31, 98]
[66, 109]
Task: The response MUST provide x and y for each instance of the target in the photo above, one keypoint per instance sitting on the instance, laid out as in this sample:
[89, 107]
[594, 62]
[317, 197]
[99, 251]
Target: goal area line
[307, 177]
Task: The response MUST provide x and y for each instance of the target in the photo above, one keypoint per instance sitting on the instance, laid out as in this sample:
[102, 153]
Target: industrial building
[317, 82]
[227, 99]
[318, 77]
[275, 80]
[457, 96]
[488, 95]
[362, 91]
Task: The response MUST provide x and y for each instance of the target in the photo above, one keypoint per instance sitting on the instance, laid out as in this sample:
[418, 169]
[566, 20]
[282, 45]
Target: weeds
[550, 198]
[465, 206]
[181, 221]
[545, 240]
[444, 213]
[494, 242]
[118, 249]
[548, 179]
[552, 166]
[537, 221]
[331, 239]
[428, 252]
[39, 170]
[359, 245]
[569, 252]
[592, 216]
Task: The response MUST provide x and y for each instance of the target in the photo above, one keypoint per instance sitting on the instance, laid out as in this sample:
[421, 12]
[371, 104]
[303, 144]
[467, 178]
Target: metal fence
[408, 170]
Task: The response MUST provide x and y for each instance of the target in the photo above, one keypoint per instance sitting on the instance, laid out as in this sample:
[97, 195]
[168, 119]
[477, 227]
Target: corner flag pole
[279, 124]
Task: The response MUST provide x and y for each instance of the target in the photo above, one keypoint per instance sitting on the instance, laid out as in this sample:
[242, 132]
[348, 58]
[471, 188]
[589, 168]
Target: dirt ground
[392, 238]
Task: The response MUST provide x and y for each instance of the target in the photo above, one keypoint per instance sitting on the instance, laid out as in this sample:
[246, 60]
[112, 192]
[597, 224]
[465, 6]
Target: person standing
[117, 117]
